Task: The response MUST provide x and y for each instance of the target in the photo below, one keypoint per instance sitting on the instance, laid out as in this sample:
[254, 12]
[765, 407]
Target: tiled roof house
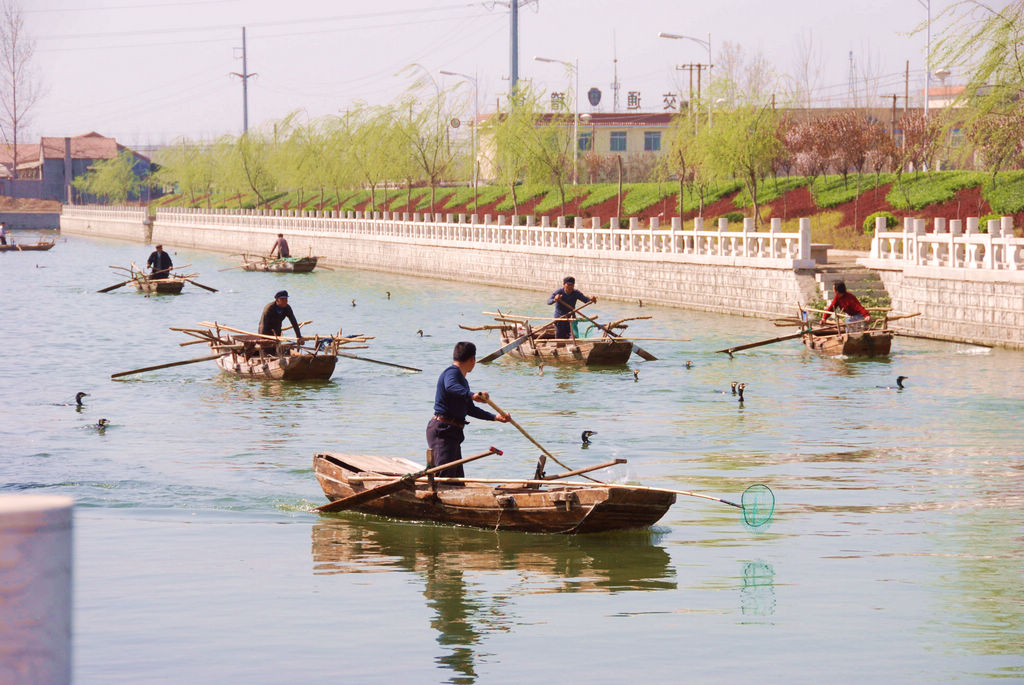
[46, 168]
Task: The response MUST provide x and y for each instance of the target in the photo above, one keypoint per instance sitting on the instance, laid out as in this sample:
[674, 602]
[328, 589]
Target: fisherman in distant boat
[3, 232]
[453, 401]
[848, 304]
[280, 247]
[565, 300]
[274, 315]
[159, 263]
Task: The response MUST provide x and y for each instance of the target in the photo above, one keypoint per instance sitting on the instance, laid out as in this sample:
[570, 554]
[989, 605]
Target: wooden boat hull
[860, 344]
[562, 509]
[294, 367]
[585, 351]
[160, 286]
[31, 247]
[302, 265]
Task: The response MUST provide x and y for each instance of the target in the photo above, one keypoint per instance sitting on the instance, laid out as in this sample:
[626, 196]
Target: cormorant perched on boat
[739, 391]
[898, 386]
[585, 436]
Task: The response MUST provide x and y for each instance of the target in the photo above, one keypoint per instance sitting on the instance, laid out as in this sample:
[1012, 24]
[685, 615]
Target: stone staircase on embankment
[861, 281]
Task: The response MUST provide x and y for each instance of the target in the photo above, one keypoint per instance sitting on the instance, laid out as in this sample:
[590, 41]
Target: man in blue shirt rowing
[565, 300]
[453, 401]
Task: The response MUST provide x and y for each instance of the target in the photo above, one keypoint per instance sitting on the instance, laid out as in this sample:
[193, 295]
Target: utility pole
[513, 69]
[906, 88]
[244, 76]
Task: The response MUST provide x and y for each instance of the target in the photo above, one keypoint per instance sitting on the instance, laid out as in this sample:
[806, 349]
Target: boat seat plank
[388, 466]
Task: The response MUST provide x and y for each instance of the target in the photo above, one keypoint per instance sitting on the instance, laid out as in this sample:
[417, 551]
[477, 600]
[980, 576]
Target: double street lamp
[476, 115]
[706, 44]
[575, 67]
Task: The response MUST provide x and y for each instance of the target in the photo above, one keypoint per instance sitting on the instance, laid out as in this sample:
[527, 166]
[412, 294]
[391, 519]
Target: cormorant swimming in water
[636, 375]
[723, 392]
[79, 396]
[689, 364]
[388, 293]
[899, 384]
[100, 425]
[739, 389]
[585, 436]
[353, 303]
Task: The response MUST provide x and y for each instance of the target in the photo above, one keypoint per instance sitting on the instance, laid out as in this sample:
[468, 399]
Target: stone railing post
[805, 238]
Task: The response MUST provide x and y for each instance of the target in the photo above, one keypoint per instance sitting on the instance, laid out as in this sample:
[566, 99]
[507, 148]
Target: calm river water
[895, 553]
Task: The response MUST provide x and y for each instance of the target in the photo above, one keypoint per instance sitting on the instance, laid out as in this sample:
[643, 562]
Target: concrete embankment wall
[30, 220]
[985, 307]
[669, 280]
[122, 223]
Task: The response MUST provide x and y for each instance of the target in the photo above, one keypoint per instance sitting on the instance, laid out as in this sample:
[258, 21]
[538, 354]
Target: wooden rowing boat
[28, 247]
[295, 265]
[159, 286]
[604, 351]
[252, 356]
[546, 509]
[867, 343]
[857, 339]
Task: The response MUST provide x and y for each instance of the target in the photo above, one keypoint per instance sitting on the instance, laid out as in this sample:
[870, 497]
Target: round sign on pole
[594, 95]
[456, 123]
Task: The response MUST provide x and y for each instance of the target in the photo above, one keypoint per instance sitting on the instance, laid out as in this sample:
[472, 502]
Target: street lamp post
[476, 115]
[576, 114]
[927, 4]
[705, 43]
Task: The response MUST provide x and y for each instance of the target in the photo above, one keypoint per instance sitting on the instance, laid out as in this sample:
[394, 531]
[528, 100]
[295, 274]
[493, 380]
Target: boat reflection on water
[460, 567]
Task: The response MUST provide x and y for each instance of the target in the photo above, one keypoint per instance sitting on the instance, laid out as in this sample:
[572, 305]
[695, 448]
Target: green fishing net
[758, 505]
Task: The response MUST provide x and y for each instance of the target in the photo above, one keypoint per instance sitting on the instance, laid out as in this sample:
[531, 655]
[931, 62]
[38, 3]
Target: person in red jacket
[848, 304]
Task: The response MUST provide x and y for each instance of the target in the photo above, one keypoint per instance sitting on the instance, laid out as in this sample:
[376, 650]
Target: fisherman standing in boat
[453, 400]
[3, 232]
[159, 263]
[565, 300]
[848, 304]
[281, 247]
[274, 315]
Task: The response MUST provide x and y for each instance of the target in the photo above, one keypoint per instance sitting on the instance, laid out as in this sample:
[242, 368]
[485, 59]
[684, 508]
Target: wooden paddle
[376, 361]
[165, 366]
[115, 287]
[737, 348]
[636, 348]
[401, 483]
[529, 334]
[530, 437]
[204, 287]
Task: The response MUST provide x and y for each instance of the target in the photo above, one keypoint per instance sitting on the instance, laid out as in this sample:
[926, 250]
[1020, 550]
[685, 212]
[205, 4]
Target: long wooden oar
[530, 437]
[377, 361]
[759, 343]
[165, 366]
[907, 334]
[519, 341]
[115, 287]
[204, 287]
[636, 348]
[403, 482]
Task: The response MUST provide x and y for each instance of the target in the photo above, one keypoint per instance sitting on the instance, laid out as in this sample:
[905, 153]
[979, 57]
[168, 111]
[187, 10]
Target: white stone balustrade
[948, 247]
[747, 246]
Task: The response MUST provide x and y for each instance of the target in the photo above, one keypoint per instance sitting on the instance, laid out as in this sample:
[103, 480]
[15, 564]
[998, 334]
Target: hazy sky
[149, 71]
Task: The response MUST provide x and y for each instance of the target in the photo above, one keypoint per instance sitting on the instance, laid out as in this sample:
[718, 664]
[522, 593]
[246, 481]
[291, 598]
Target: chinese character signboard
[633, 99]
[557, 101]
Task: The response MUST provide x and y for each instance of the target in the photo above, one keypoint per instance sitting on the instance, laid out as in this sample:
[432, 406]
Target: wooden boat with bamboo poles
[533, 338]
[839, 338]
[290, 265]
[274, 358]
[39, 246]
[144, 283]
[504, 505]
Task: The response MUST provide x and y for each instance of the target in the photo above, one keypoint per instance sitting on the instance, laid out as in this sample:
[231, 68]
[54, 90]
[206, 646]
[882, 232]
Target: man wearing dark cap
[565, 300]
[159, 263]
[453, 400]
[274, 315]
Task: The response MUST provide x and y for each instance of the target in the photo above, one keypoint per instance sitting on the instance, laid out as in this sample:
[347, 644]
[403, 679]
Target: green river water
[895, 554]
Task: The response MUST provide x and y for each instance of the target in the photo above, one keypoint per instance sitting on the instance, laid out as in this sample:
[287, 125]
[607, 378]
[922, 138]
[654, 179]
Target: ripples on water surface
[895, 553]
